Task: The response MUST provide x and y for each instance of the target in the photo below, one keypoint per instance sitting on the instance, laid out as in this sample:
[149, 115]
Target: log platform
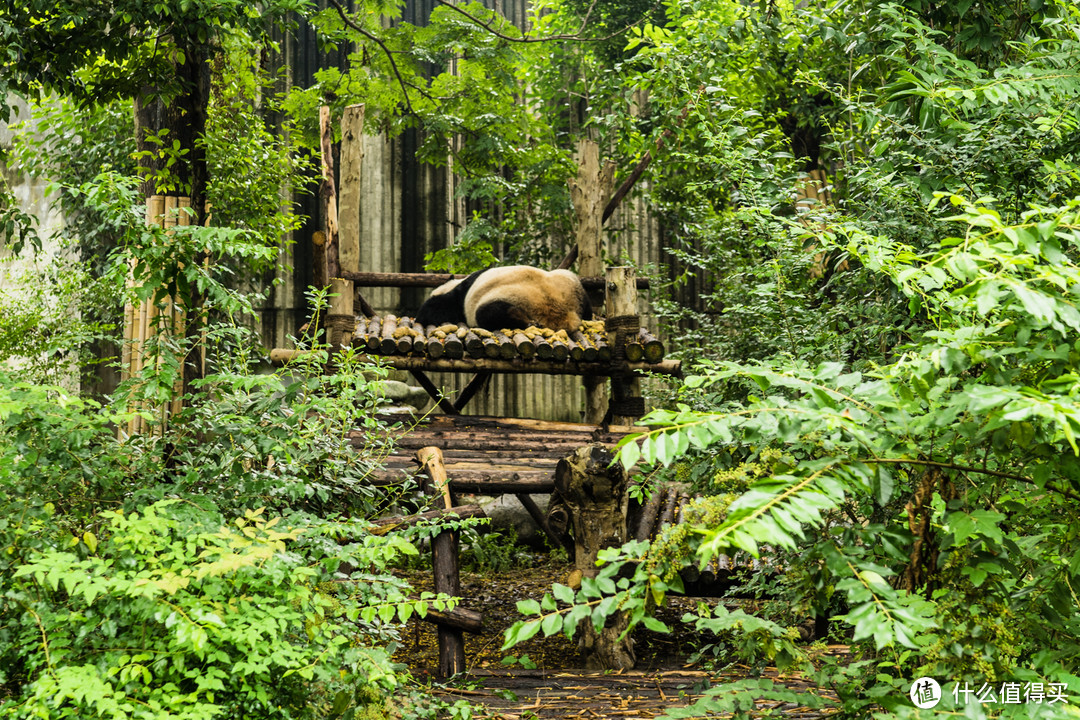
[492, 456]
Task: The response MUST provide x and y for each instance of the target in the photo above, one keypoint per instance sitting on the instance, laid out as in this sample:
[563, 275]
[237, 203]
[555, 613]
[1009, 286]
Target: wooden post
[328, 194]
[352, 158]
[340, 320]
[594, 489]
[444, 550]
[589, 192]
[348, 211]
[623, 323]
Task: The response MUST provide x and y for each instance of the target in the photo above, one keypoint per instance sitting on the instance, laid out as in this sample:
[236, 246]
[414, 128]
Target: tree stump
[595, 492]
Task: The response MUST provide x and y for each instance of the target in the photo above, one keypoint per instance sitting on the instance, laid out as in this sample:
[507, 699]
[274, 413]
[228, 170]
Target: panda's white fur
[551, 299]
[510, 297]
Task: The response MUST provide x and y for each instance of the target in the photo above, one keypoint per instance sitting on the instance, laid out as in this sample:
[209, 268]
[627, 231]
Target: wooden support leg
[429, 387]
[445, 549]
[541, 521]
[594, 489]
[475, 385]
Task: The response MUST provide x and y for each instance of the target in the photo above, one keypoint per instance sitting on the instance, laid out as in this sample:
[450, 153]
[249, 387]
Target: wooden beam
[430, 389]
[541, 520]
[475, 385]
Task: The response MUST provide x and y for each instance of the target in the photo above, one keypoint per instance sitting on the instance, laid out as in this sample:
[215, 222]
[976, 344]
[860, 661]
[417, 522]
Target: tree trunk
[595, 491]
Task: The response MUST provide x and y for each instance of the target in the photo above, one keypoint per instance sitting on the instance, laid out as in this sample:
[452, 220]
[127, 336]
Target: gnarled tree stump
[595, 492]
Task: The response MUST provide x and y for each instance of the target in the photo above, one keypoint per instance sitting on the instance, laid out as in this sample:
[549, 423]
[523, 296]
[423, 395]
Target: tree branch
[547, 38]
[389, 55]
[966, 468]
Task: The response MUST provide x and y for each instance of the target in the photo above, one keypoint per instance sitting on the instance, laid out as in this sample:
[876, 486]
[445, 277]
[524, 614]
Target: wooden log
[388, 345]
[525, 347]
[577, 353]
[635, 350]
[462, 512]
[474, 345]
[340, 320]
[507, 349]
[435, 347]
[419, 341]
[374, 335]
[603, 353]
[461, 618]
[544, 349]
[519, 365]
[405, 342]
[588, 349]
[668, 516]
[431, 462]
[454, 348]
[654, 349]
[491, 348]
[648, 514]
[561, 351]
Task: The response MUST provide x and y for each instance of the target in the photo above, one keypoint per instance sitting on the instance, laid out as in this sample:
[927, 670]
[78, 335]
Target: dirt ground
[553, 685]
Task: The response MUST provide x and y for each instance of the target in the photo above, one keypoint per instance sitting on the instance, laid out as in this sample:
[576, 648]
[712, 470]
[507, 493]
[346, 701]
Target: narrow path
[583, 695]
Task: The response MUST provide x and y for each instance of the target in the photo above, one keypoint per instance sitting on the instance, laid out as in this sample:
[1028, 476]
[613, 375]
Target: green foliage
[99, 53]
[175, 613]
[471, 251]
[490, 552]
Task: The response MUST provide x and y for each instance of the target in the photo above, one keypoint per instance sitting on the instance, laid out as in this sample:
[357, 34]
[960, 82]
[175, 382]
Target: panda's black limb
[446, 307]
[500, 314]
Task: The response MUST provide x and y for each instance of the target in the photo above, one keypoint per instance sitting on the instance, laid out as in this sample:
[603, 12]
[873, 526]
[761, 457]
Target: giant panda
[516, 296]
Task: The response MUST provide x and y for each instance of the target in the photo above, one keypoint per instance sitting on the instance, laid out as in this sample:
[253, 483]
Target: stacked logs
[667, 506]
[392, 335]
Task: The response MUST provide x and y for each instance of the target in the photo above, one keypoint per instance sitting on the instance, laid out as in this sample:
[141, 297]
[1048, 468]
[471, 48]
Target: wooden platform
[492, 456]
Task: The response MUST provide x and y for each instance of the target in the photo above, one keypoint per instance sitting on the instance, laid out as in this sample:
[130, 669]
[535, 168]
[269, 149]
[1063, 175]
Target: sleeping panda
[509, 297]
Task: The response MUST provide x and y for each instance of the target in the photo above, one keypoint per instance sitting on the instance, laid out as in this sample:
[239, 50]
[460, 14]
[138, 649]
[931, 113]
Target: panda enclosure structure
[453, 454]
